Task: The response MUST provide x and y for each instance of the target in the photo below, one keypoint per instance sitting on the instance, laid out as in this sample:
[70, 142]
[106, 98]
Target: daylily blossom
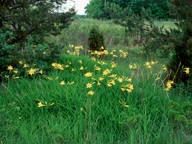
[187, 70]
[31, 71]
[10, 68]
[91, 93]
[89, 85]
[88, 74]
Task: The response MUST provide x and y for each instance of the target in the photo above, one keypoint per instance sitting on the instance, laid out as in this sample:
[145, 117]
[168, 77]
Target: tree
[159, 9]
[182, 47]
[96, 9]
[27, 17]
[24, 25]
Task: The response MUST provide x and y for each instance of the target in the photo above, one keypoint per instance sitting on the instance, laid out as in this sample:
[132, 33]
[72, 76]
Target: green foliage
[6, 51]
[69, 115]
[96, 40]
[24, 18]
[23, 27]
[183, 47]
[100, 9]
[34, 53]
[96, 9]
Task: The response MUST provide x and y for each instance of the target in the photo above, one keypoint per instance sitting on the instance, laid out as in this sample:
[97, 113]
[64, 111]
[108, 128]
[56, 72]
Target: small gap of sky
[79, 5]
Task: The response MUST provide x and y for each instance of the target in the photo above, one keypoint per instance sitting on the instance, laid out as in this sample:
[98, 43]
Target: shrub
[96, 40]
[183, 47]
[183, 55]
[34, 52]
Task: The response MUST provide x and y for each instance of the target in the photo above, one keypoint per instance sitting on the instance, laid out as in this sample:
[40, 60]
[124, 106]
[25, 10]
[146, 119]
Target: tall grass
[42, 109]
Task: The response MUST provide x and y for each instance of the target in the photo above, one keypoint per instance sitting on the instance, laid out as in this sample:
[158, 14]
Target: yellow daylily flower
[120, 80]
[40, 104]
[88, 85]
[31, 71]
[106, 72]
[187, 69]
[10, 68]
[25, 66]
[62, 83]
[91, 93]
[88, 74]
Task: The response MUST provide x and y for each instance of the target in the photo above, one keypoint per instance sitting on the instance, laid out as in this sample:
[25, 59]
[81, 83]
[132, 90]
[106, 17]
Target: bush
[34, 52]
[183, 55]
[96, 40]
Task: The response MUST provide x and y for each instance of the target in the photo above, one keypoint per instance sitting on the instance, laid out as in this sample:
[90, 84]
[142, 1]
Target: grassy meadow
[114, 97]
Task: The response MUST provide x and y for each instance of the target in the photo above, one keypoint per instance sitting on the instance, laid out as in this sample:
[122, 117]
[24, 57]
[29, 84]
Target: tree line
[101, 9]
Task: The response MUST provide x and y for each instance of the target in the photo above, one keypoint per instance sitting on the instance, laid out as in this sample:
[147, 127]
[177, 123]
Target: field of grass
[114, 35]
[119, 98]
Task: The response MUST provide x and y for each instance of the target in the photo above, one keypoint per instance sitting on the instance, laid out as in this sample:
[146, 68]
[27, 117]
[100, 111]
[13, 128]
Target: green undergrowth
[67, 113]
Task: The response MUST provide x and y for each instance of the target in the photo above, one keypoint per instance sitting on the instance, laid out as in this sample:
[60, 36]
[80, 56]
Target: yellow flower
[109, 84]
[169, 85]
[112, 82]
[66, 66]
[15, 77]
[20, 62]
[164, 67]
[120, 80]
[113, 76]
[10, 68]
[89, 85]
[57, 66]
[123, 54]
[31, 71]
[97, 68]
[153, 62]
[73, 69]
[41, 72]
[25, 66]
[106, 72]
[147, 65]
[187, 70]
[62, 83]
[91, 93]
[98, 83]
[123, 89]
[105, 52]
[113, 65]
[88, 74]
[40, 104]
[128, 79]
[129, 88]
[102, 48]
[81, 68]
[134, 66]
[114, 56]
[101, 62]
[101, 78]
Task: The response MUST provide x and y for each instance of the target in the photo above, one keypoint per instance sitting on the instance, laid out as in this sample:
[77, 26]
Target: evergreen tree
[23, 27]
[183, 46]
